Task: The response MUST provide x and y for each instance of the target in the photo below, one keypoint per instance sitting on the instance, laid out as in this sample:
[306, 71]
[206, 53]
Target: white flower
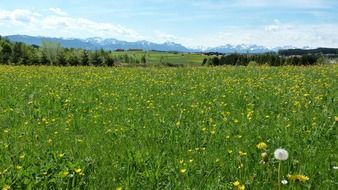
[284, 182]
[281, 154]
[264, 155]
[335, 167]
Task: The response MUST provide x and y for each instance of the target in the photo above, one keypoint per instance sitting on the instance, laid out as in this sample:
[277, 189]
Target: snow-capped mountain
[98, 43]
[243, 48]
[113, 44]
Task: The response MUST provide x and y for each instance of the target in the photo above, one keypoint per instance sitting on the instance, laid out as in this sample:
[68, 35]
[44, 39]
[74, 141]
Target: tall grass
[167, 128]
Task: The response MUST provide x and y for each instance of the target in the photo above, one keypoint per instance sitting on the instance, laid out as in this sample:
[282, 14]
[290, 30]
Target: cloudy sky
[271, 23]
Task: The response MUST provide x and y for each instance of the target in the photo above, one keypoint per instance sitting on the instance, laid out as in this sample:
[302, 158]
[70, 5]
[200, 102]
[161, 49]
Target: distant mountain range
[113, 44]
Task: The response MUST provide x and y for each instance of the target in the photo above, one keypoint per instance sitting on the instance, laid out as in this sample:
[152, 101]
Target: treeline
[51, 53]
[324, 51]
[263, 59]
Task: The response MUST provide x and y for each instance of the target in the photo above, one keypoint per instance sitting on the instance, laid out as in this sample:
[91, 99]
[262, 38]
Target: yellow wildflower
[119, 188]
[183, 170]
[6, 187]
[65, 173]
[242, 153]
[262, 145]
[78, 170]
[300, 178]
[236, 183]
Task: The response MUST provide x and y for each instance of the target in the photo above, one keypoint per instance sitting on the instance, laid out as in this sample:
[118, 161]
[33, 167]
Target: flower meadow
[169, 128]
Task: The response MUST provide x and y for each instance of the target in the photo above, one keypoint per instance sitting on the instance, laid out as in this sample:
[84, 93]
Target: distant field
[168, 128]
[173, 58]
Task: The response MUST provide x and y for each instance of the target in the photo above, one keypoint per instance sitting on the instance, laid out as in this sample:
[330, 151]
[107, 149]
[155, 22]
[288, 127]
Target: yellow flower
[250, 115]
[183, 170]
[241, 187]
[78, 170]
[236, 183]
[65, 173]
[242, 153]
[303, 178]
[6, 187]
[119, 188]
[262, 145]
[300, 178]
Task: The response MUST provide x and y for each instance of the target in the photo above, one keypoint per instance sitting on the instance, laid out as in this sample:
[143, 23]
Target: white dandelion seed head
[284, 182]
[264, 155]
[281, 154]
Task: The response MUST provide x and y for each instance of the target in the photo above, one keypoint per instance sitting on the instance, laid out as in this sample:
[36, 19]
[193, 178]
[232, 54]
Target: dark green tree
[5, 53]
[17, 53]
[43, 59]
[143, 59]
[72, 58]
[85, 58]
[61, 59]
[95, 59]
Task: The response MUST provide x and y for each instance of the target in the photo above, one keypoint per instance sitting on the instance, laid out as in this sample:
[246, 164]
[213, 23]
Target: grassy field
[154, 58]
[168, 128]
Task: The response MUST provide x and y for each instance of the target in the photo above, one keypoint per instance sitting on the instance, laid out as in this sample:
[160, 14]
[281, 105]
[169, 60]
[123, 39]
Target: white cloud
[278, 26]
[18, 16]
[164, 37]
[278, 34]
[60, 24]
[58, 11]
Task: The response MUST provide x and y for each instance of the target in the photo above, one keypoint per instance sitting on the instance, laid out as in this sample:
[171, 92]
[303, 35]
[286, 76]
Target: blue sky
[193, 23]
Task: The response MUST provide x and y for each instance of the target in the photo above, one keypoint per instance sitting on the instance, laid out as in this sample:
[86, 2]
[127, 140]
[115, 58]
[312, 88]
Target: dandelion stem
[279, 180]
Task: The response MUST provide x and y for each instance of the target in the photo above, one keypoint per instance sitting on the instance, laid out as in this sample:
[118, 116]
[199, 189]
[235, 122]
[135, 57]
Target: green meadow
[168, 128]
[156, 58]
